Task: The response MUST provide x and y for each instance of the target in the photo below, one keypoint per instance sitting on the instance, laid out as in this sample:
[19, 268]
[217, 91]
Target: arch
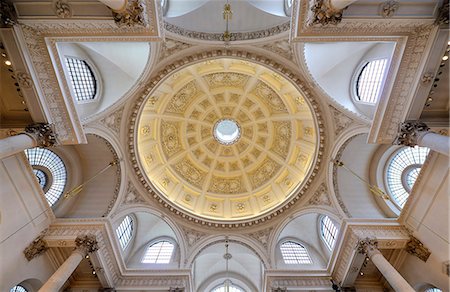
[217, 279]
[234, 238]
[179, 237]
[161, 250]
[294, 252]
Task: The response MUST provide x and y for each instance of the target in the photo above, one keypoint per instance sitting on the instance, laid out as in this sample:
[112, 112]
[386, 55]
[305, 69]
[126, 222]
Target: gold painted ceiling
[192, 169]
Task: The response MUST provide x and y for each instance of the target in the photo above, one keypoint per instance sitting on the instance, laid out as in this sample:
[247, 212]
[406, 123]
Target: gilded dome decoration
[226, 140]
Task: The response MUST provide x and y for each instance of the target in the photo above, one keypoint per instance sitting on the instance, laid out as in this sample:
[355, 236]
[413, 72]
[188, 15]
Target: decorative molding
[132, 196]
[262, 236]
[172, 46]
[341, 121]
[43, 134]
[416, 248]
[62, 9]
[323, 13]
[427, 78]
[320, 197]
[153, 281]
[388, 8]
[169, 69]
[36, 247]
[410, 132]
[87, 243]
[234, 36]
[24, 80]
[312, 282]
[112, 121]
[132, 15]
[281, 47]
[192, 237]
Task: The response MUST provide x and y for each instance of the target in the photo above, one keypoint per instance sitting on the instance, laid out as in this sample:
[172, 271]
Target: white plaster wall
[429, 219]
[20, 204]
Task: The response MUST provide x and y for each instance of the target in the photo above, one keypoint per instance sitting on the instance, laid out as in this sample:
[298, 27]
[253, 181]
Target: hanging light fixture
[227, 256]
[227, 15]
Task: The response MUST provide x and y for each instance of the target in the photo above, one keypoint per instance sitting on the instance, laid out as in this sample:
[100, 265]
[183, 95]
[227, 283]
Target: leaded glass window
[82, 78]
[48, 167]
[124, 231]
[329, 231]
[403, 170]
[368, 84]
[18, 288]
[159, 253]
[231, 288]
[294, 253]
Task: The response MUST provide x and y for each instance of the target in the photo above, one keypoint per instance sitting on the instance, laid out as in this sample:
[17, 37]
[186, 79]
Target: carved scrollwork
[323, 13]
[35, 248]
[43, 133]
[87, 243]
[416, 248]
[132, 15]
[62, 9]
[410, 132]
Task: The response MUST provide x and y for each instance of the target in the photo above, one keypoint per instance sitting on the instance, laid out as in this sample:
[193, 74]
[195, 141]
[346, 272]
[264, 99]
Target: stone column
[414, 133]
[85, 244]
[326, 12]
[39, 134]
[369, 247]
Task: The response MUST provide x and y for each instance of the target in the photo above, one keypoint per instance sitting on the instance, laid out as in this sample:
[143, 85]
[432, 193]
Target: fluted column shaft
[39, 134]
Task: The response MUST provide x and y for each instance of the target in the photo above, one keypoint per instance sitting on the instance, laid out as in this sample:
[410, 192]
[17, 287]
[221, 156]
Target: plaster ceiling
[193, 170]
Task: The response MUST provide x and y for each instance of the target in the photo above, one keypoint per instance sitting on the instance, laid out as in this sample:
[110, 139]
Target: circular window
[227, 131]
[402, 172]
[50, 172]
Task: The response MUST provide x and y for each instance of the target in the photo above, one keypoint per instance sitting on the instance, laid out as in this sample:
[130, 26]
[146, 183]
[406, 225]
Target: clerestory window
[82, 78]
[125, 231]
[294, 253]
[329, 231]
[159, 253]
[369, 81]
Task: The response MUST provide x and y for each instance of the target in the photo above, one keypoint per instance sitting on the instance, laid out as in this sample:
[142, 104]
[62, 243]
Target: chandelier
[227, 15]
[227, 256]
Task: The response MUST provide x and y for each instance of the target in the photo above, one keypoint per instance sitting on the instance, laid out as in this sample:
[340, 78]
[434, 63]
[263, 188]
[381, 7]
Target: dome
[225, 140]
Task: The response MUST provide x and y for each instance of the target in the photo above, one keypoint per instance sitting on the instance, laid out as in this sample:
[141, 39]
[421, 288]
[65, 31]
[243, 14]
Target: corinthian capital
[367, 245]
[87, 243]
[324, 13]
[409, 133]
[42, 133]
[35, 248]
[131, 15]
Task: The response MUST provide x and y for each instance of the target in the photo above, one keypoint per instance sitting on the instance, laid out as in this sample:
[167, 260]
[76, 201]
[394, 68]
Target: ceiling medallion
[227, 131]
[226, 141]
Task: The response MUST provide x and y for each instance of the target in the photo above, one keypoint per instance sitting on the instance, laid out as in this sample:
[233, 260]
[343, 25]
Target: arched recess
[31, 285]
[209, 265]
[117, 66]
[336, 73]
[353, 194]
[303, 227]
[100, 189]
[150, 225]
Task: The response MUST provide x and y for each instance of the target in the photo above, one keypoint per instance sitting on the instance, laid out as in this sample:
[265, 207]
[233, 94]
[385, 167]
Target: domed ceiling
[225, 140]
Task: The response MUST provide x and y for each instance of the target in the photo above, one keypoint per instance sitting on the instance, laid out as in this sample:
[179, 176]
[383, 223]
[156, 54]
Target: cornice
[239, 54]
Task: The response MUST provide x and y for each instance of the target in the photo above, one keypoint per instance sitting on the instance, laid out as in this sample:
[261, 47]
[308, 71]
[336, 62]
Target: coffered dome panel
[226, 139]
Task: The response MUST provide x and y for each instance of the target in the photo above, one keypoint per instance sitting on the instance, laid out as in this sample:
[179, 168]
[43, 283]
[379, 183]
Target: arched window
[403, 170]
[369, 81]
[231, 288]
[159, 253]
[328, 231]
[18, 288]
[50, 172]
[124, 231]
[288, 7]
[294, 253]
[433, 289]
[82, 78]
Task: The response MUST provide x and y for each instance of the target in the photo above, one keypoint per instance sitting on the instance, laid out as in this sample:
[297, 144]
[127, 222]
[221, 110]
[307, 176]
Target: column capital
[410, 132]
[43, 134]
[324, 13]
[8, 17]
[131, 15]
[367, 246]
[416, 248]
[86, 243]
[35, 248]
